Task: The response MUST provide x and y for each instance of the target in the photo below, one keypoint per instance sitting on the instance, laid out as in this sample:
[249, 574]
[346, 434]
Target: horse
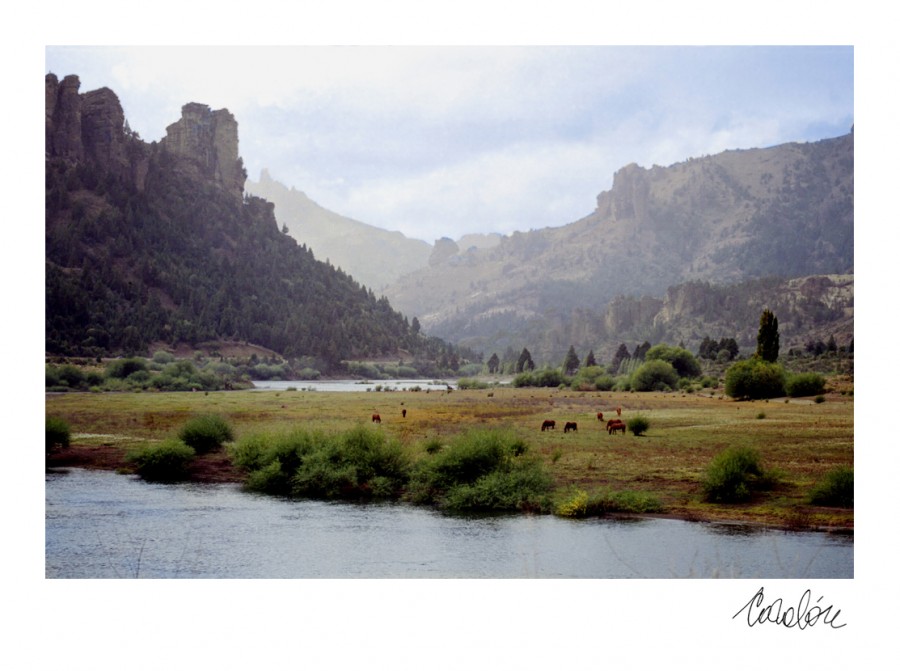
[619, 411]
[548, 424]
[376, 418]
[570, 426]
[599, 416]
[614, 425]
[404, 412]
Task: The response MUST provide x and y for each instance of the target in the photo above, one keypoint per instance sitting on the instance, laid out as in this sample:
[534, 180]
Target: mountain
[150, 242]
[717, 221]
[375, 257]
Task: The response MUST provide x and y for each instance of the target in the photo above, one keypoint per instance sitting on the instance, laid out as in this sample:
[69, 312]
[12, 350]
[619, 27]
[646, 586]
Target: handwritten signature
[803, 616]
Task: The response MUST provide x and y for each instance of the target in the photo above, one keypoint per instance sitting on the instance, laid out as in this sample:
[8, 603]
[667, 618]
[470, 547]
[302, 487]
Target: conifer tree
[767, 340]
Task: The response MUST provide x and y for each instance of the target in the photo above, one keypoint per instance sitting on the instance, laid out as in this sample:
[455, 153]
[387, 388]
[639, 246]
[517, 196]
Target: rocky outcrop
[91, 127]
[209, 140]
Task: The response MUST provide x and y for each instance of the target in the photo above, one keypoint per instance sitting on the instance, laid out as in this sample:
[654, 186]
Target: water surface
[101, 524]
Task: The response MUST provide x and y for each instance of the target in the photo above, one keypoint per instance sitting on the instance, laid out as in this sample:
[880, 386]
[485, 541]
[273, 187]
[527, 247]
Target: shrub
[733, 475]
[836, 489]
[163, 357]
[574, 505]
[580, 504]
[359, 463]
[804, 384]
[481, 470]
[122, 368]
[205, 433]
[638, 425]
[754, 378]
[655, 375]
[165, 462]
[471, 383]
[592, 378]
[56, 433]
[684, 363]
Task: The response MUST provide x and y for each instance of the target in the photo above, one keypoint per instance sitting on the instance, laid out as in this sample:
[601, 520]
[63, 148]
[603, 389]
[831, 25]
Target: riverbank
[800, 439]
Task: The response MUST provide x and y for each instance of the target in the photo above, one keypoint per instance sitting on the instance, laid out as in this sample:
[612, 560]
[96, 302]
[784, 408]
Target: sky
[442, 141]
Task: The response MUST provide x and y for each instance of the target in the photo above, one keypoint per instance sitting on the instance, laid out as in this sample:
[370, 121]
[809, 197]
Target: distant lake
[351, 385]
[100, 524]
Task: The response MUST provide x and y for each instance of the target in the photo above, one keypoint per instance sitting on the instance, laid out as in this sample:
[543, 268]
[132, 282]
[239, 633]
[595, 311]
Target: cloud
[440, 141]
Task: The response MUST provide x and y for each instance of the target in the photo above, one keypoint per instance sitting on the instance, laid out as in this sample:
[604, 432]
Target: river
[101, 524]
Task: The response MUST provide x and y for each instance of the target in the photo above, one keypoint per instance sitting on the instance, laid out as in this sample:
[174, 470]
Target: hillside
[781, 212]
[149, 243]
[373, 256]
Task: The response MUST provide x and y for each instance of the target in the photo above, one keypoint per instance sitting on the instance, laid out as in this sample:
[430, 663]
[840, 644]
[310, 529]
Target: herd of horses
[612, 426]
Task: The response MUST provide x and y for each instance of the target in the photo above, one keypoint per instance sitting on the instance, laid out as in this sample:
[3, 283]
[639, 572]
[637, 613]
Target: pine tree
[571, 362]
[590, 360]
[525, 362]
[767, 340]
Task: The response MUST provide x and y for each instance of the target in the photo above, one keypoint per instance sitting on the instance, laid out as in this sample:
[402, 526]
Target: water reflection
[106, 525]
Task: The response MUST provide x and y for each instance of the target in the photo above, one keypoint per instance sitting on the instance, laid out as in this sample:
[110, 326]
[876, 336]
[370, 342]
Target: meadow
[798, 440]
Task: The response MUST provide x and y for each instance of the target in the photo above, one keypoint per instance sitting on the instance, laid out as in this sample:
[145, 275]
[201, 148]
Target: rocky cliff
[743, 215]
[209, 141]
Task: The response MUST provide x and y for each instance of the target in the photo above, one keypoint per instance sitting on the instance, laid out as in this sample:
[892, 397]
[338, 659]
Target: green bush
[481, 470]
[547, 377]
[56, 433]
[205, 433]
[684, 363]
[592, 378]
[638, 425]
[804, 384]
[471, 383]
[166, 462]
[836, 489]
[655, 375]
[754, 378]
[122, 368]
[733, 476]
[360, 463]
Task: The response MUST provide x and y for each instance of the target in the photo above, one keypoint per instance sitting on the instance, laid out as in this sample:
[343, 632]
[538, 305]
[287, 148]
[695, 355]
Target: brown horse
[548, 424]
[376, 418]
[599, 416]
[570, 426]
[614, 425]
[619, 411]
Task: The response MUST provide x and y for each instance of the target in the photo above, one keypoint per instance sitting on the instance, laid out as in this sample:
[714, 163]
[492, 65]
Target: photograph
[446, 352]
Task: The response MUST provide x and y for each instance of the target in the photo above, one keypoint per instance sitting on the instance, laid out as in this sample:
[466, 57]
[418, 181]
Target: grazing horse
[548, 424]
[614, 425]
[619, 411]
[599, 416]
[376, 418]
[404, 412]
[570, 426]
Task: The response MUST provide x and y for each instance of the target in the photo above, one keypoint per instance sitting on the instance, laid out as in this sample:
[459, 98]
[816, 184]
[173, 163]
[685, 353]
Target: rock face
[91, 127]
[209, 139]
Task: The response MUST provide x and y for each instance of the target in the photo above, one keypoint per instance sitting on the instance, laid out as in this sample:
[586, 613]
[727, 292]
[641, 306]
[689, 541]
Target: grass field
[800, 439]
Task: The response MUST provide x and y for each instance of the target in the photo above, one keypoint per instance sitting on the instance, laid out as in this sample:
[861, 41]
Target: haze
[444, 141]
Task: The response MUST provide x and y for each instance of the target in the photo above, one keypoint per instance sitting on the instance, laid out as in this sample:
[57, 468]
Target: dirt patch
[213, 467]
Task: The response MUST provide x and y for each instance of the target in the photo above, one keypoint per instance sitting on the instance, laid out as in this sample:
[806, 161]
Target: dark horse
[570, 426]
[376, 418]
[548, 424]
